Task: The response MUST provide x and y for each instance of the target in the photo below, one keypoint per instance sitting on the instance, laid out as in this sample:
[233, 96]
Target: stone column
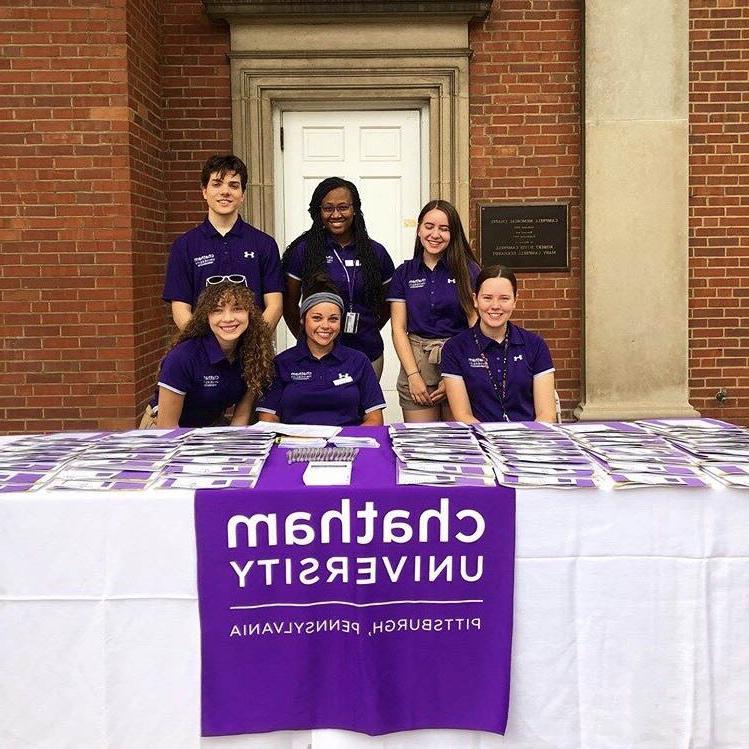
[636, 254]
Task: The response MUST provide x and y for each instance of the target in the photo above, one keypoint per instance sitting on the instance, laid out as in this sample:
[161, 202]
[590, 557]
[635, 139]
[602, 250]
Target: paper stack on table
[720, 449]
[26, 462]
[225, 457]
[218, 458]
[439, 453]
[118, 460]
[633, 457]
[534, 455]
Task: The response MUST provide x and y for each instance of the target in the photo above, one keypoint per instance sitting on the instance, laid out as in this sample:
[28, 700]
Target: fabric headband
[319, 298]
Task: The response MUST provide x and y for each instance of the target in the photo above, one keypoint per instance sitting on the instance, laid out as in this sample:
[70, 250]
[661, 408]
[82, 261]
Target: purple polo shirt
[198, 369]
[432, 306]
[336, 390]
[340, 262]
[528, 357]
[203, 252]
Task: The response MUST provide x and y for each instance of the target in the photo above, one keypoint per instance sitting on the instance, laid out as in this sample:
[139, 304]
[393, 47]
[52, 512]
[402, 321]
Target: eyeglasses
[234, 278]
[329, 210]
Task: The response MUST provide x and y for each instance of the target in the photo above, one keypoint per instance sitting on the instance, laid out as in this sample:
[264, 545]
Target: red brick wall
[108, 108]
[149, 193]
[525, 145]
[65, 276]
[719, 207]
[197, 105]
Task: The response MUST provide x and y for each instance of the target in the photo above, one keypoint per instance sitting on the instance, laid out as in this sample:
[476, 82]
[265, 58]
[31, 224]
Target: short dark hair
[496, 271]
[223, 164]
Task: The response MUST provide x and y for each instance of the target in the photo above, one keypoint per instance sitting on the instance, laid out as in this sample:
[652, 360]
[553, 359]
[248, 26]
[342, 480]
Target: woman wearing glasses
[321, 381]
[223, 358]
[431, 300]
[337, 244]
[497, 371]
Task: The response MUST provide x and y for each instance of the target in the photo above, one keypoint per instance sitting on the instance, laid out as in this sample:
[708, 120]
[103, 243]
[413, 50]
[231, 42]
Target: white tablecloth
[631, 625]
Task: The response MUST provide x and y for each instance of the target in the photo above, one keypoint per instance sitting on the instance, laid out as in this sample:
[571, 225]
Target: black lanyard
[501, 392]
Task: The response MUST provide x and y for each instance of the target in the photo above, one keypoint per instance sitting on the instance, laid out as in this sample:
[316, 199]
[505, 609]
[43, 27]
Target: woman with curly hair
[223, 358]
[321, 381]
[431, 300]
[337, 244]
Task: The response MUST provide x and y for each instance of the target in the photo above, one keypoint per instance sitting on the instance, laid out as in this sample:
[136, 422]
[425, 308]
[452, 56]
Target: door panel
[380, 152]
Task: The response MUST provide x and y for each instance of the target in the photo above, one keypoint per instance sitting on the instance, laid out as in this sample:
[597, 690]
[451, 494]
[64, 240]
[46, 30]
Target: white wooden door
[381, 153]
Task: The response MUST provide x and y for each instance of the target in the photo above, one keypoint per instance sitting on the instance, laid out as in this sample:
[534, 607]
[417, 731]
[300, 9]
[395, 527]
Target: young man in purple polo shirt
[224, 246]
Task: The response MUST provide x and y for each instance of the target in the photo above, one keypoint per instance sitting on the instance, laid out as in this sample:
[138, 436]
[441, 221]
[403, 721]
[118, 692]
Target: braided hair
[316, 247]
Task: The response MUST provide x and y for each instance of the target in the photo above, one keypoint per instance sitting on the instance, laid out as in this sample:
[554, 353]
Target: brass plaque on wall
[524, 236]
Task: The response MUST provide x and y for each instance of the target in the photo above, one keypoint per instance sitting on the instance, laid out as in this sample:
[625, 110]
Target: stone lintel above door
[331, 11]
[285, 57]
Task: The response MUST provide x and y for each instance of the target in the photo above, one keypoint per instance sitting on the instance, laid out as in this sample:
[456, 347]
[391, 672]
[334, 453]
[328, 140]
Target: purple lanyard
[350, 279]
[501, 392]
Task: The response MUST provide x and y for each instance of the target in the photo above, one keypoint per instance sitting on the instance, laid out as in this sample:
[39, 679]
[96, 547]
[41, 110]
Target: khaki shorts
[427, 353]
[149, 419]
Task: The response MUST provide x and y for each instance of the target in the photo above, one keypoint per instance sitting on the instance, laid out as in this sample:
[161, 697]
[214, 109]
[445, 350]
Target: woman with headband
[337, 244]
[321, 381]
[431, 299]
[498, 371]
[222, 358]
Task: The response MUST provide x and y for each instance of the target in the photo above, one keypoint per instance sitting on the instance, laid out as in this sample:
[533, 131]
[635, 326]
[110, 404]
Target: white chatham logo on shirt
[210, 381]
[300, 376]
[517, 358]
[477, 362]
[202, 260]
[417, 283]
[451, 280]
[249, 254]
[328, 259]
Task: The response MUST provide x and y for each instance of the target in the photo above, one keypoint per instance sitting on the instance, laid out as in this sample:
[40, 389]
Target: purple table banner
[373, 608]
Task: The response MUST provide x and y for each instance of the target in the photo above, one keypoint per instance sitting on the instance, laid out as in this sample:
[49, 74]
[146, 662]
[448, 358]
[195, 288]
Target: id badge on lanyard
[351, 321]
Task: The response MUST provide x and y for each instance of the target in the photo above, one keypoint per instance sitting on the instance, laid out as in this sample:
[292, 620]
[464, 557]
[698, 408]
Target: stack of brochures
[26, 462]
[439, 453]
[117, 460]
[720, 449]
[216, 458]
[213, 458]
[634, 457]
[534, 455]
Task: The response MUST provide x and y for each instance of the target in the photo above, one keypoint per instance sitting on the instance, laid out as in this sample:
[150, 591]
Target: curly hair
[254, 347]
[316, 248]
[458, 254]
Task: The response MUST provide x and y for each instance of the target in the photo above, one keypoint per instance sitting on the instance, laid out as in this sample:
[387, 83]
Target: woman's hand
[418, 390]
[440, 393]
